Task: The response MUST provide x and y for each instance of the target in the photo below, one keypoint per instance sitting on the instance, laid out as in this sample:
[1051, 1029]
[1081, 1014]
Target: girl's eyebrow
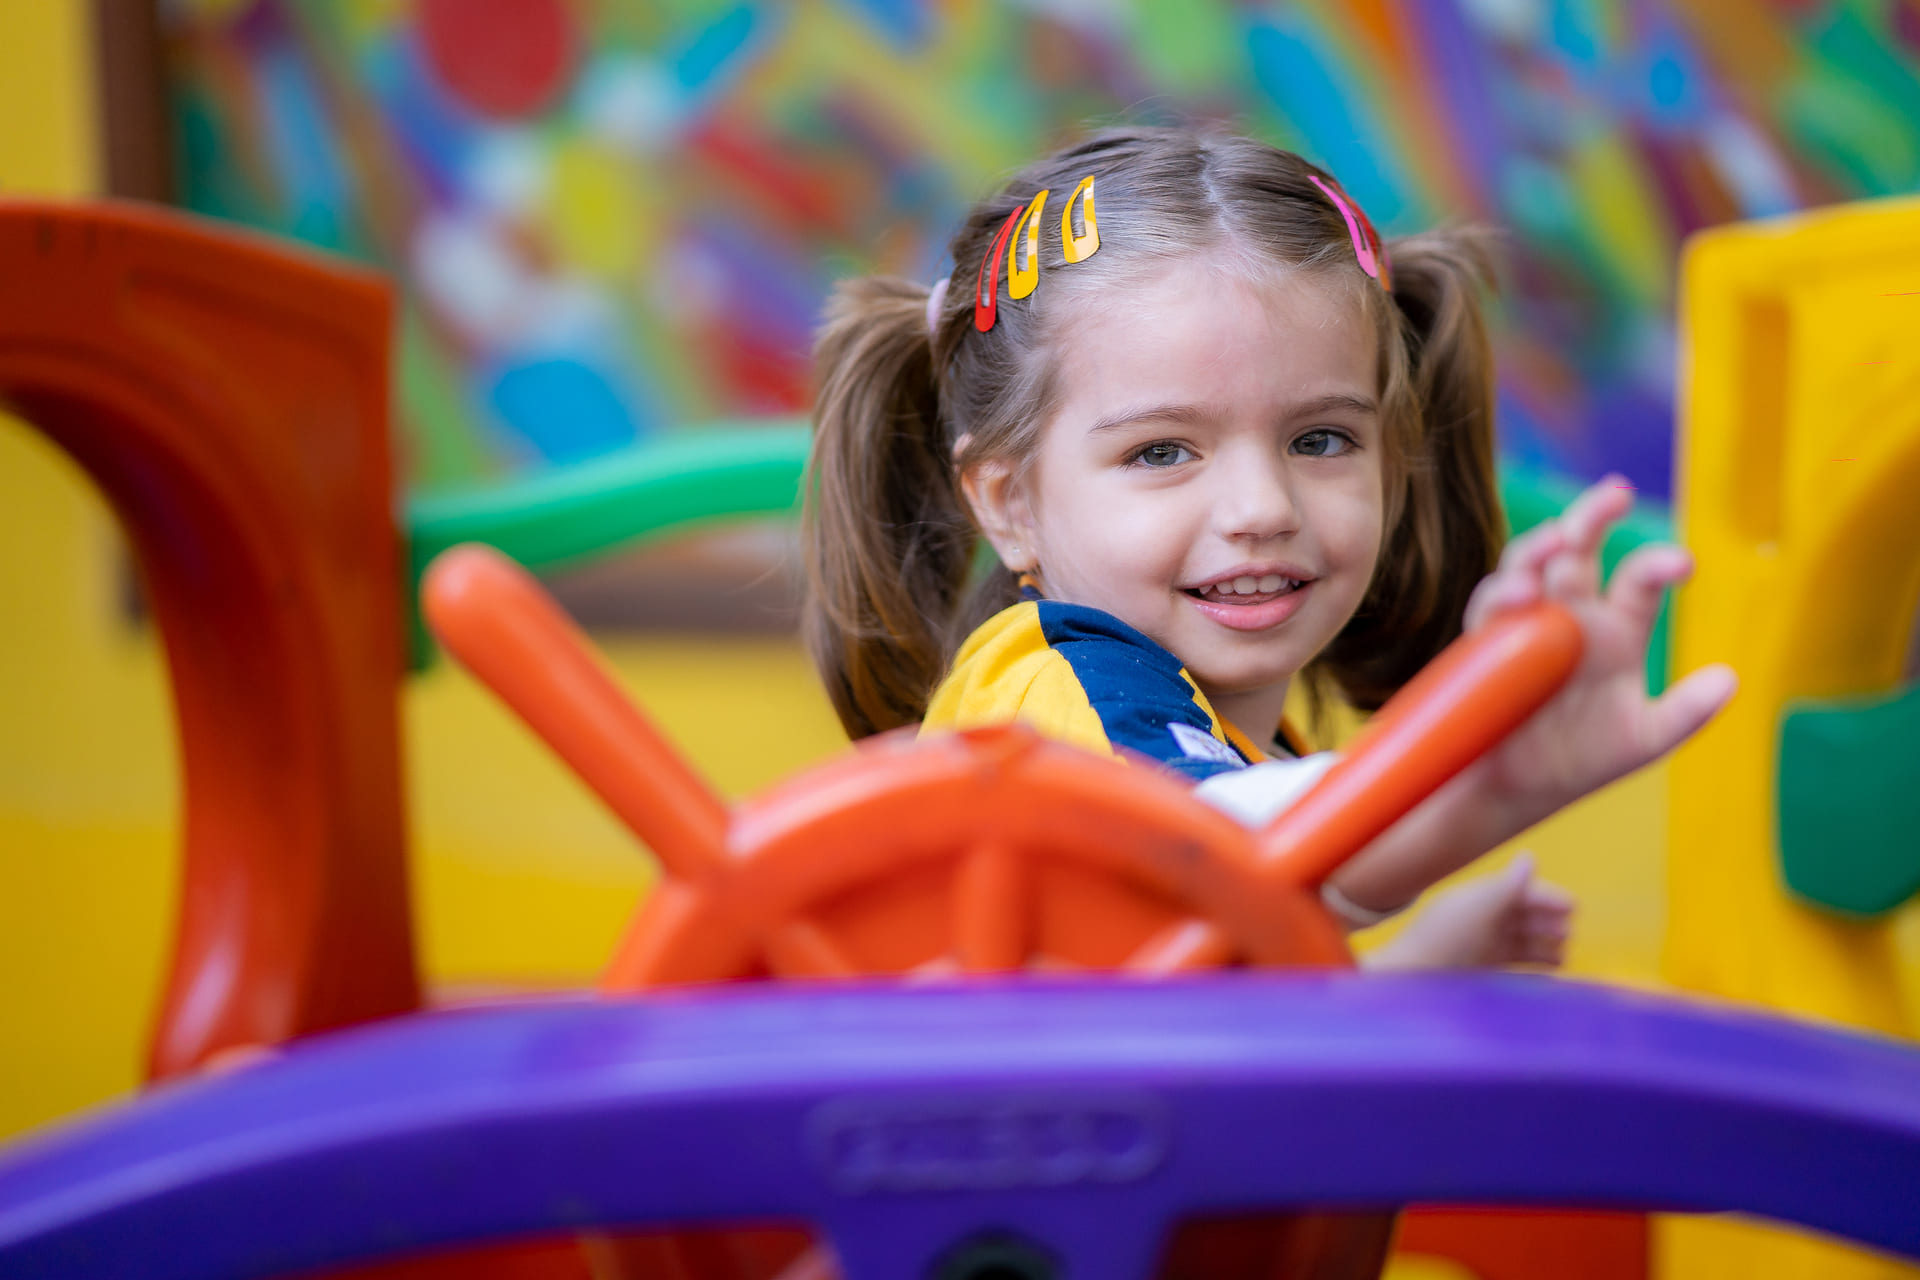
[1190, 414]
[1334, 402]
[1181, 414]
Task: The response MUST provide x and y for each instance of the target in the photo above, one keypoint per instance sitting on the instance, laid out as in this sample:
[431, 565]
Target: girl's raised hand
[1601, 726]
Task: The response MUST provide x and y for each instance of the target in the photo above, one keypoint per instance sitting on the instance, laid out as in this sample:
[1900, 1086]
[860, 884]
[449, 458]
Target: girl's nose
[1254, 499]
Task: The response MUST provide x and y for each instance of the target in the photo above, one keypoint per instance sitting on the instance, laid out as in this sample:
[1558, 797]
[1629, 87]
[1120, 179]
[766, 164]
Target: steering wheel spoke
[1181, 947]
[800, 948]
[992, 909]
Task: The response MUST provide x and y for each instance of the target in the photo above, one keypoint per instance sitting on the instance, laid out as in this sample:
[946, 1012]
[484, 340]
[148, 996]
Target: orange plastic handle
[1480, 689]
[503, 627]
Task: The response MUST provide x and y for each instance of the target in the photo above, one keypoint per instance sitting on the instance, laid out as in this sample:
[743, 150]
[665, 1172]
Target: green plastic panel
[575, 513]
[590, 508]
[1849, 801]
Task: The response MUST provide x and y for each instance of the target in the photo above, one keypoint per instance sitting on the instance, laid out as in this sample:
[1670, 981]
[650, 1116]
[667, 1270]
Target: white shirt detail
[1198, 744]
[1260, 793]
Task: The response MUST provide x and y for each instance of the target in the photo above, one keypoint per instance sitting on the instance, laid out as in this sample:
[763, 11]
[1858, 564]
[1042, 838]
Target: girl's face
[1213, 476]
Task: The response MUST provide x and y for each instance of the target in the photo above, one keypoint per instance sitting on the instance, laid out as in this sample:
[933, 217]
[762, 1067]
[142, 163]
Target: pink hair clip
[1366, 241]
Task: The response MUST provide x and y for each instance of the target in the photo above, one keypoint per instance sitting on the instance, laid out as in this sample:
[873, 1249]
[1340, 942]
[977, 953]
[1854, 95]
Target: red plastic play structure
[230, 398]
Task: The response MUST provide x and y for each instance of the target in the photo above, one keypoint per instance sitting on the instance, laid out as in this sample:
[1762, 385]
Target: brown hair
[890, 544]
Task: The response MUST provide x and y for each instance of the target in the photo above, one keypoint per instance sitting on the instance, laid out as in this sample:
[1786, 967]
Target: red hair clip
[1366, 241]
[986, 288]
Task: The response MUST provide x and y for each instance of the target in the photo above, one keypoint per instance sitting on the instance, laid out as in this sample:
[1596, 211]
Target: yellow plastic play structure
[1800, 455]
[1798, 490]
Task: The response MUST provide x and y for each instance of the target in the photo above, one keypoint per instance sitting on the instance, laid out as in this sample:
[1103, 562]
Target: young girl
[1218, 437]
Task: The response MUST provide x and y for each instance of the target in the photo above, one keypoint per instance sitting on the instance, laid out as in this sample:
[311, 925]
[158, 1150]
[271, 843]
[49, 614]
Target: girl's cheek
[1124, 523]
[1360, 519]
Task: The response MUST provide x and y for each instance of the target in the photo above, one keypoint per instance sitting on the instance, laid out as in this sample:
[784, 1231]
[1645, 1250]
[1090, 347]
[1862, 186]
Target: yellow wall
[47, 147]
[79, 809]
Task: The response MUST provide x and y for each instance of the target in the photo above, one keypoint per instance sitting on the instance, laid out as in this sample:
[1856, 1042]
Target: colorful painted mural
[616, 217]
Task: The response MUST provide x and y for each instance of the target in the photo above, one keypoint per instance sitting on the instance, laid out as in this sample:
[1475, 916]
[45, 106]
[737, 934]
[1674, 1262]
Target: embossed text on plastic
[1022, 1139]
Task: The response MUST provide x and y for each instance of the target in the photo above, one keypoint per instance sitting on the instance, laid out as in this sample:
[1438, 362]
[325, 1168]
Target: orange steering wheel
[981, 852]
[987, 851]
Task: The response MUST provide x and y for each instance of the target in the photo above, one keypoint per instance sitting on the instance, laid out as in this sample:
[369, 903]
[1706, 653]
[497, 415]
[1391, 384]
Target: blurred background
[614, 219]
[613, 222]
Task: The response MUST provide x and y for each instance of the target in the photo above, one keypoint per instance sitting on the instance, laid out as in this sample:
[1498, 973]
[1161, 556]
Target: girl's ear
[997, 494]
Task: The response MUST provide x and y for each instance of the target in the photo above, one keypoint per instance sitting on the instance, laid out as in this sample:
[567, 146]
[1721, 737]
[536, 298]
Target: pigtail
[886, 536]
[1445, 525]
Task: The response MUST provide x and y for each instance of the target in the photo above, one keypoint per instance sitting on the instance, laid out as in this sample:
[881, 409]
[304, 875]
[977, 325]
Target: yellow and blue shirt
[1083, 676]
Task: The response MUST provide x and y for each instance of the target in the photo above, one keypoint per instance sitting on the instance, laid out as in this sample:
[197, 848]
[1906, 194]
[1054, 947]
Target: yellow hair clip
[1078, 248]
[1022, 281]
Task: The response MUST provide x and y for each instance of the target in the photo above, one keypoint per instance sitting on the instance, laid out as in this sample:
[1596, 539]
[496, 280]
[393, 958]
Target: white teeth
[1247, 585]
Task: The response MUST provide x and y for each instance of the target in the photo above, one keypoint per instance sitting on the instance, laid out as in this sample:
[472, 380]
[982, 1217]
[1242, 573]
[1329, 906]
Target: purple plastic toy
[1081, 1119]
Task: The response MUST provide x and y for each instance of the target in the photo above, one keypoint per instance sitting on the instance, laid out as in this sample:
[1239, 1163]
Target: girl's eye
[1323, 444]
[1163, 454]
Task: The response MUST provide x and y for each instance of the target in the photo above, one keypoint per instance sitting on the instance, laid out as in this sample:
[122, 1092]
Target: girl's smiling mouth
[1250, 601]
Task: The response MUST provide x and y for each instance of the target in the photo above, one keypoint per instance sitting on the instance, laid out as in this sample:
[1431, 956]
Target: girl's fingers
[1516, 583]
[1530, 550]
[1574, 574]
[1549, 913]
[1548, 924]
[1498, 592]
[1527, 945]
[1598, 506]
[1684, 709]
[1545, 897]
[1551, 953]
[1643, 577]
[1537, 915]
